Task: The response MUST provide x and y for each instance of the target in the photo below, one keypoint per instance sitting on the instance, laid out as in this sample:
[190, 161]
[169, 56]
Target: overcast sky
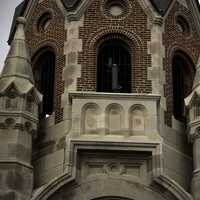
[7, 8]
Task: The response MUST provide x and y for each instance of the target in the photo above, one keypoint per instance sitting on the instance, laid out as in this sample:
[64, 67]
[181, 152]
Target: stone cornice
[101, 95]
[16, 162]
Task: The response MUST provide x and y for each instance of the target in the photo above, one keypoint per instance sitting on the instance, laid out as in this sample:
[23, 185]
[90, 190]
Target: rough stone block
[8, 196]
[15, 180]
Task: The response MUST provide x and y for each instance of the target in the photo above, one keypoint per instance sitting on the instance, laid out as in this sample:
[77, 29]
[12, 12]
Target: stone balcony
[112, 115]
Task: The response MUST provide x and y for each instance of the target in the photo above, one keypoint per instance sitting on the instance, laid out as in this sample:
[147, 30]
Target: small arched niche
[90, 118]
[114, 119]
[137, 120]
[30, 103]
[44, 75]
[182, 25]
[12, 101]
[183, 72]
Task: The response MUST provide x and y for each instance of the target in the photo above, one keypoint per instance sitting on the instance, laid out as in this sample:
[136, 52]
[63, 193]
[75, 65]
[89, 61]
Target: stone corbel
[193, 136]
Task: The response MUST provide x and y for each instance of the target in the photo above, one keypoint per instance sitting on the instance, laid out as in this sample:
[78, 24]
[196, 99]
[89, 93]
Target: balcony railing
[115, 114]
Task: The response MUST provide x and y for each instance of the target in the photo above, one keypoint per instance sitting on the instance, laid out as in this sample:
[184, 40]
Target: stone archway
[109, 188]
[112, 198]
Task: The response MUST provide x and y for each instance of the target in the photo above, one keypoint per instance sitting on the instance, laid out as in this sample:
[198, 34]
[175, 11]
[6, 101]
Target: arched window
[44, 74]
[183, 72]
[114, 67]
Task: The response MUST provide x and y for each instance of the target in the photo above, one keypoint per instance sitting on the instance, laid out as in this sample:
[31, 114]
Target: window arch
[114, 67]
[44, 74]
[183, 72]
[182, 25]
[112, 198]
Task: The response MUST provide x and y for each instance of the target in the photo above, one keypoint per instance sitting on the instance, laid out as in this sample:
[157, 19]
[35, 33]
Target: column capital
[194, 136]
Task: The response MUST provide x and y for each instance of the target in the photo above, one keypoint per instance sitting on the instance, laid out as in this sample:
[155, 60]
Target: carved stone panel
[137, 120]
[11, 103]
[90, 118]
[117, 165]
[114, 119]
[29, 104]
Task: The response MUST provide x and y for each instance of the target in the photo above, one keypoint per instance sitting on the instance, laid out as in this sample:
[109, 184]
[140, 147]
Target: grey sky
[7, 8]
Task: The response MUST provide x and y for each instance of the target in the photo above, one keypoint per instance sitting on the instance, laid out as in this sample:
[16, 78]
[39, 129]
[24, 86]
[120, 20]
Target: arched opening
[183, 72]
[114, 67]
[44, 74]
[182, 25]
[112, 198]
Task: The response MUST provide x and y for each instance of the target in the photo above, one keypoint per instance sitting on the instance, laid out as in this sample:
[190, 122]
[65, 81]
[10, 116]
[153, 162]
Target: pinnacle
[17, 63]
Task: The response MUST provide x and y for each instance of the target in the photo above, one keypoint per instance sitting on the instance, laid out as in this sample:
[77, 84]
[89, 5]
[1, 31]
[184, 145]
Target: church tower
[119, 116]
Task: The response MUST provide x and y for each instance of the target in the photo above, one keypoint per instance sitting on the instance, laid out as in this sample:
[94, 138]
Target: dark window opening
[114, 67]
[44, 74]
[183, 25]
[183, 72]
[44, 22]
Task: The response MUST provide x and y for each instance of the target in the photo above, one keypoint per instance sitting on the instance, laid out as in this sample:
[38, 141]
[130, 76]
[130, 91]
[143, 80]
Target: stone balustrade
[128, 116]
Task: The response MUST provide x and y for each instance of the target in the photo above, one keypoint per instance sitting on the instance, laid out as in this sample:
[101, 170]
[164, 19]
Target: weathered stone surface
[62, 143]
[20, 152]
[16, 88]
[8, 196]
[99, 145]
[15, 180]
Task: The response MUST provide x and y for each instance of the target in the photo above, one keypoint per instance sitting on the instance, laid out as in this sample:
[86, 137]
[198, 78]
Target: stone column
[192, 103]
[196, 162]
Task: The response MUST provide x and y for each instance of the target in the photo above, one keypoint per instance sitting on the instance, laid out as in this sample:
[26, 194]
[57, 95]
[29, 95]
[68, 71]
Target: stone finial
[17, 70]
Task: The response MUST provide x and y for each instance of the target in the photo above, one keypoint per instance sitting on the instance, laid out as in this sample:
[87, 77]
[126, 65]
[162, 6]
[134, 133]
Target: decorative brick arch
[43, 44]
[178, 47]
[174, 40]
[52, 45]
[87, 82]
[54, 37]
[168, 92]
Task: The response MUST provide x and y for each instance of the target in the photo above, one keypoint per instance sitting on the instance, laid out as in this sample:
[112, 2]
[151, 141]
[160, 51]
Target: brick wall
[98, 27]
[174, 40]
[54, 37]
[131, 27]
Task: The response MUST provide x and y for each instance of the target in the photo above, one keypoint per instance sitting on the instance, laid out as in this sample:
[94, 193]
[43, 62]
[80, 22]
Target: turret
[19, 100]
[192, 103]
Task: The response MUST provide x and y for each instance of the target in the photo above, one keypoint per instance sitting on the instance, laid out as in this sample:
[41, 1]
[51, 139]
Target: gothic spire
[17, 63]
[17, 69]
